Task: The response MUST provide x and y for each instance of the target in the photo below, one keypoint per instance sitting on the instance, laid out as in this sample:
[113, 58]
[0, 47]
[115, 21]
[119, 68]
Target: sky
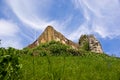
[22, 21]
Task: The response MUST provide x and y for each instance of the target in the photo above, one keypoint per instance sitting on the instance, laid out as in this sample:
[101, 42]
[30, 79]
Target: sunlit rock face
[93, 44]
[50, 34]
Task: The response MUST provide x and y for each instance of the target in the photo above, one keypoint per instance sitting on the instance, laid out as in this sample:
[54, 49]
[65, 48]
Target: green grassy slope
[56, 61]
[70, 68]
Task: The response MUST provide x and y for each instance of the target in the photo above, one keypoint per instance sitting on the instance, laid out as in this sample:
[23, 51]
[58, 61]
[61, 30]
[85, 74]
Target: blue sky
[22, 21]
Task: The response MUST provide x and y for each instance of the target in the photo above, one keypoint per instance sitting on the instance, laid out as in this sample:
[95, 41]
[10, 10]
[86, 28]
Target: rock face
[50, 34]
[93, 44]
[89, 42]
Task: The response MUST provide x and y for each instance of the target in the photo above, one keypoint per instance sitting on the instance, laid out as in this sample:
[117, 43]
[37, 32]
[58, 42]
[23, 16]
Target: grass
[70, 68]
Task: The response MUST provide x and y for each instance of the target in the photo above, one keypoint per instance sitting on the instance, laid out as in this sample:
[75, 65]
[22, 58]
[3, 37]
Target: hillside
[58, 60]
[70, 68]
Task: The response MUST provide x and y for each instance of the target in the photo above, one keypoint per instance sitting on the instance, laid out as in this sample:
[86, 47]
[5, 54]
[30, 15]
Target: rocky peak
[89, 42]
[50, 34]
[49, 27]
[93, 44]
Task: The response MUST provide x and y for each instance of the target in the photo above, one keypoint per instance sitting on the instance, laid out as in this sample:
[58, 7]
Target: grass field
[70, 68]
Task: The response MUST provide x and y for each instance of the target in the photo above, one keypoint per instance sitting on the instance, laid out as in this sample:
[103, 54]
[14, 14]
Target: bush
[84, 42]
[9, 64]
[57, 48]
[51, 48]
[74, 52]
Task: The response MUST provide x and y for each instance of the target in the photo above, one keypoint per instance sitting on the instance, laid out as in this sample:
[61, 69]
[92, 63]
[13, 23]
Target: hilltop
[50, 34]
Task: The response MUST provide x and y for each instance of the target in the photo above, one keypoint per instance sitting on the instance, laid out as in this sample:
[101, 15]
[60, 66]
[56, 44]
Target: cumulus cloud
[8, 34]
[101, 17]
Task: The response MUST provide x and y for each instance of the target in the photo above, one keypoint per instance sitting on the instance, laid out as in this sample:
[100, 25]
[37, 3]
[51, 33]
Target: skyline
[22, 21]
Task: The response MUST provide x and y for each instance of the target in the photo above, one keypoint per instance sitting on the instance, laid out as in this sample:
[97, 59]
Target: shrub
[9, 65]
[51, 48]
[57, 48]
[84, 42]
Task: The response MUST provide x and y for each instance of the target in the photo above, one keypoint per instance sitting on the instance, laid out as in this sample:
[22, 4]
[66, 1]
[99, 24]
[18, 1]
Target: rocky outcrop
[93, 44]
[50, 34]
[88, 42]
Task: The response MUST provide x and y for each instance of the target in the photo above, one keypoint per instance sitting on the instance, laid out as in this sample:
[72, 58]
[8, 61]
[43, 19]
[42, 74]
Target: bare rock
[89, 42]
[93, 44]
[50, 34]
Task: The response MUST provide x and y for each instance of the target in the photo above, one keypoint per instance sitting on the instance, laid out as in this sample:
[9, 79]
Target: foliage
[70, 64]
[9, 64]
[85, 46]
[52, 48]
[84, 42]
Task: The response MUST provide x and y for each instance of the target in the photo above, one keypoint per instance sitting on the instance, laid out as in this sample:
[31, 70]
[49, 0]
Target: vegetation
[84, 42]
[99, 67]
[52, 48]
[9, 64]
[56, 61]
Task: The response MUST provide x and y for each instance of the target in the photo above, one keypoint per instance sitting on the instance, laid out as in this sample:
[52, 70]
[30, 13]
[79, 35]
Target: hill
[50, 34]
[50, 58]
[57, 61]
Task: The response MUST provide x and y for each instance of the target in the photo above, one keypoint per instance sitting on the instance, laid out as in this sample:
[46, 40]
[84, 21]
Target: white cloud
[8, 34]
[83, 29]
[102, 16]
[31, 12]
[8, 28]
[11, 42]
